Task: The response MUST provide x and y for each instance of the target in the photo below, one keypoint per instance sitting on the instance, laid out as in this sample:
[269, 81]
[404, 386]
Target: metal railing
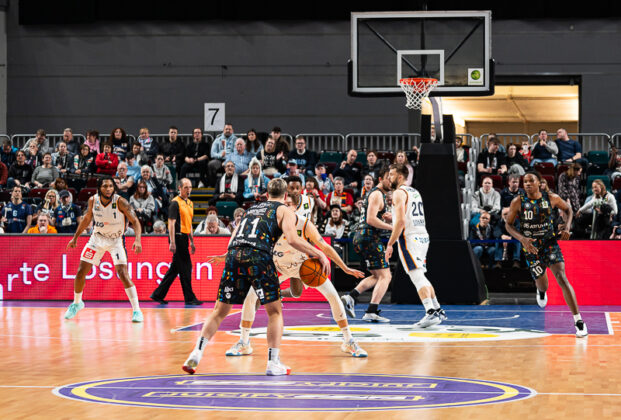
[320, 142]
[104, 137]
[382, 141]
[467, 139]
[19, 140]
[616, 140]
[588, 141]
[505, 138]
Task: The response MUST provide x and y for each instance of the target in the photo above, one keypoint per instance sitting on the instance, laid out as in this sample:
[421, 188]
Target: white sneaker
[428, 320]
[542, 302]
[276, 368]
[372, 317]
[239, 349]
[192, 362]
[349, 304]
[353, 348]
[581, 329]
[441, 314]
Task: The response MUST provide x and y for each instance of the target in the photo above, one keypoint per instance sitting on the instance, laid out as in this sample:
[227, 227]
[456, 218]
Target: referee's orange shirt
[183, 214]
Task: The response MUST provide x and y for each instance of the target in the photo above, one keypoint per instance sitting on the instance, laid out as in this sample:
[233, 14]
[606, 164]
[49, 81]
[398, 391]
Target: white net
[417, 89]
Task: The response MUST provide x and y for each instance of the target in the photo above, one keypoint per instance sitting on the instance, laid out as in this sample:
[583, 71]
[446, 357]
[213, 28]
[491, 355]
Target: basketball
[311, 273]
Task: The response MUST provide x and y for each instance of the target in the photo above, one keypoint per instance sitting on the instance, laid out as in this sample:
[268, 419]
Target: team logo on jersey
[306, 206]
[113, 206]
[89, 253]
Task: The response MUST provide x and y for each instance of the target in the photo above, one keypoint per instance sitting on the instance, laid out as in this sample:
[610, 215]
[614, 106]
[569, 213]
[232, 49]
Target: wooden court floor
[495, 362]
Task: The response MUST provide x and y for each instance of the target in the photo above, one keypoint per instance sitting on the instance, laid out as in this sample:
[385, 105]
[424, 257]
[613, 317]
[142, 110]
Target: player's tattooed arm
[84, 223]
[129, 212]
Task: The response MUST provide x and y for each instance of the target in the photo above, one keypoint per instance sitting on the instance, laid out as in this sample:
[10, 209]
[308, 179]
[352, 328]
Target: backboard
[451, 46]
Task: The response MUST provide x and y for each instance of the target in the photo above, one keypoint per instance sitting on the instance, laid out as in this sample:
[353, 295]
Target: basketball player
[288, 261]
[249, 262]
[409, 229]
[538, 239]
[368, 244]
[109, 212]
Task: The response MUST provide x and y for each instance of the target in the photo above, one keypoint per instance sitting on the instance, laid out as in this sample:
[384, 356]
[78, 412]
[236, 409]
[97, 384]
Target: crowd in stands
[591, 188]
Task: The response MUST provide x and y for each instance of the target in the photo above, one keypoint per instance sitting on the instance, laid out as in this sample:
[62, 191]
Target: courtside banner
[39, 267]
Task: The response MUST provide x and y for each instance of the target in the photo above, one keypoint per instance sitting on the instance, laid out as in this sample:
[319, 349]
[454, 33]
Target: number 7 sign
[214, 116]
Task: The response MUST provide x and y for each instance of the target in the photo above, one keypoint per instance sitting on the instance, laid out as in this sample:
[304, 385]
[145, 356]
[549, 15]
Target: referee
[180, 214]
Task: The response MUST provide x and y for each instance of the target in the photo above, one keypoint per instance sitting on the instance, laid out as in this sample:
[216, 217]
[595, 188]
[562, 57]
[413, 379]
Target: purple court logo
[304, 392]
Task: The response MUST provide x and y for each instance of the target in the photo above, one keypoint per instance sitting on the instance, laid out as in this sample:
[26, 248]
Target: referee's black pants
[181, 265]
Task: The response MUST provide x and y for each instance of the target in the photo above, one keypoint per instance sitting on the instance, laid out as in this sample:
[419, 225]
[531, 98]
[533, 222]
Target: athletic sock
[346, 334]
[435, 303]
[273, 354]
[77, 297]
[542, 295]
[577, 317]
[200, 344]
[372, 308]
[245, 335]
[132, 294]
[428, 304]
[354, 294]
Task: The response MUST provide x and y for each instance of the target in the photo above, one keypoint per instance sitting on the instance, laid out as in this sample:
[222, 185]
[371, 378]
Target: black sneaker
[581, 329]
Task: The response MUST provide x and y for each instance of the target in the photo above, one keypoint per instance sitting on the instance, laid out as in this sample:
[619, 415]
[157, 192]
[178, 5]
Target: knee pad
[418, 278]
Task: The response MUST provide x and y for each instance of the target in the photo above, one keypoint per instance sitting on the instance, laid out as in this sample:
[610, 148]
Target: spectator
[173, 149]
[569, 185]
[144, 205]
[240, 157]
[253, 145]
[401, 158]
[17, 215]
[525, 150]
[324, 182]
[8, 152]
[238, 214]
[62, 159]
[159, 228]
[255, 185]
[503, 248]
[293, 170]
[139, 158]
[59, 184]
[223, 144]
[4, 175]
[340, 197]
[212, 210]
[569, 151]
[20, 173]
[614, 164]
[73, 145]
[282, 145]
[460, 151]
[486, 199]
[306, 159]
[120, 143]
[196, 158]
[511, 191]
[516, 164]
[229, 187]
[211, 227]
[83, 163]
[68, 215]
[124, 182]
[147, 144]
[155, 188]
[46, 173]
[43, 225]
[311, 190]
[50, 204]
[544, 150]
[106, 162]
[491, 161]
[368, 184]
[92, 141]
[273, 163]
[543, 186]
[33, 157]
[599, 209]
[162, 173]
[372, 166]
[336, 225]
[43, 144]
[483, 231]
[349, 171]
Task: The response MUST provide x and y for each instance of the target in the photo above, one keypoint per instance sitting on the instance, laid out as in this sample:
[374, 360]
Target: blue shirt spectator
[568, 150]
[240, 157]
[149, 145]
[17, 215]
[255, 186]
[67, 216]
[7, 153]
[224, 144]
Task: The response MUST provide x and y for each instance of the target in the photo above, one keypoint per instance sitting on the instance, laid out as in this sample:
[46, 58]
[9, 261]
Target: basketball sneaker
[239, 349]
[430, 319]
[374, 317]
[441, 314]
[137, 316]
[277, 368]
[73, 309]
[542, 299]
[581, 329]
[353, 348]
[349, 304]
[192, 362]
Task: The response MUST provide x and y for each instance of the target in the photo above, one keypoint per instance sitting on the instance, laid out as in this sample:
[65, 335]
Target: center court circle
[303, 392]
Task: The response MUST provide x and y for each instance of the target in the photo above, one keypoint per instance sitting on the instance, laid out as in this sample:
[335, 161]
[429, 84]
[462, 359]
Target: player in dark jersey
[368, 244]
[249, 262]
[538, 239]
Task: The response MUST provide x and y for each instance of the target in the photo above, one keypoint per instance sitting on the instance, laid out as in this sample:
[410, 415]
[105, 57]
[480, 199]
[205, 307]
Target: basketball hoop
[416, 89]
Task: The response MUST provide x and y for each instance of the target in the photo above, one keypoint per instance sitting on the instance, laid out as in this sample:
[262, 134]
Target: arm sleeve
[552, 147]
[173, 210]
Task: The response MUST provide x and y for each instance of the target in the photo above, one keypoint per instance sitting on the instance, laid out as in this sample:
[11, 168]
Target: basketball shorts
[371, 250]
[248, 267]
[548, 253]
[98, 245]
[413, 251]
[288, 260]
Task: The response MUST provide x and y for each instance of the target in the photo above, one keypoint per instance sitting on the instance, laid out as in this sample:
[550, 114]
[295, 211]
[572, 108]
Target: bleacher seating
[226, 208]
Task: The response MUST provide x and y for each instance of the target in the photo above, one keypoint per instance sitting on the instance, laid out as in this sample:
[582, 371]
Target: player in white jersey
[409, 229]
[109, 213]
[288, 261]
